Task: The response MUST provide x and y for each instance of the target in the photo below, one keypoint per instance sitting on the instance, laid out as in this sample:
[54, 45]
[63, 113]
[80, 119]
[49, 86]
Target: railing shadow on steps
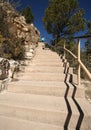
[66, 71]
[81, 113]
[66, 124]
[78, 59]
[80, 65]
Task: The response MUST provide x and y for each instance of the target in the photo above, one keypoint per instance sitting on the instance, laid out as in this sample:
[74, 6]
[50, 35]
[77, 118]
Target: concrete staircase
[43, 99]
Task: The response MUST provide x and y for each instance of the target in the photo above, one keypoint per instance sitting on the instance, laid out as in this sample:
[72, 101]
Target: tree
[88, 42]
[3, 22]
[63, 18]
[27, 12]
[14, 3]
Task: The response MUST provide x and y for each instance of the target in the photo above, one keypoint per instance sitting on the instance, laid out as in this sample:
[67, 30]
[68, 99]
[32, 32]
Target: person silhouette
[42, 39]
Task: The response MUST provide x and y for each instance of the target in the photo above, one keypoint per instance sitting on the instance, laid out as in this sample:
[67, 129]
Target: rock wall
[27, 31]
[18, 25]
[20, 29]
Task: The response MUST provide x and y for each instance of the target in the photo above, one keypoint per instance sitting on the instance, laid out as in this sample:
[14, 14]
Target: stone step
[52, 69]
[39, 76]
[45, 88]
[43, 69]
[42, 109]
[56, 64]
[47, 55]
[84, 119]
[40, 99]
[45, 109]
[44, 63]
[45, 51]
[8, 123]
[41, 65]
[47, 59]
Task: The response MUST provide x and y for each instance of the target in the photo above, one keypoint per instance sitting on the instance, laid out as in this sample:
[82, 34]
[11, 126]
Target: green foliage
[3, 22]
[87, 52]
[27, 12]
[89, 27]
[88, 47]
[63, 18]
[1, 39]
[88, 42]
[12, 49]
[12, 3]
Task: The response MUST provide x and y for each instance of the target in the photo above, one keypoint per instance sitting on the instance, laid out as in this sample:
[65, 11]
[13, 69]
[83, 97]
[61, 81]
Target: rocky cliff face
[18, 25]
[19, 29]
[26, 31]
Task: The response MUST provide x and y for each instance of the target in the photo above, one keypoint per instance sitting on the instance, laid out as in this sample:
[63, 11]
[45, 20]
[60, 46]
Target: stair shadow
[66, 124]
[81, 114]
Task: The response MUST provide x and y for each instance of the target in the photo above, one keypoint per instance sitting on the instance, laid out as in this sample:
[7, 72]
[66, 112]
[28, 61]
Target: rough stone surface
[18, 25]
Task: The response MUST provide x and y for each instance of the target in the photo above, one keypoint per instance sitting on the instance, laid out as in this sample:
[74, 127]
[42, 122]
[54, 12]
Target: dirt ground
[87, 86]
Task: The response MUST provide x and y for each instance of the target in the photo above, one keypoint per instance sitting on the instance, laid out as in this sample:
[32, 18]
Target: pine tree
[27, 12]
[88, 42]
[63, 18]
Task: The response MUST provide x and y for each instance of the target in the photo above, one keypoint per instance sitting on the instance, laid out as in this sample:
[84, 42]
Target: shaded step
[44, 88]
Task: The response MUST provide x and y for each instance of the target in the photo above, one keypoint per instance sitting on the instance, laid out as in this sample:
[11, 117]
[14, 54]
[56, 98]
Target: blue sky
[38, 7]
[86, 4]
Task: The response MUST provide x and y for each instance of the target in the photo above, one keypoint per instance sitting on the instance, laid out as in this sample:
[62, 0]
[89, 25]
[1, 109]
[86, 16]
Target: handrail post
[79, 67]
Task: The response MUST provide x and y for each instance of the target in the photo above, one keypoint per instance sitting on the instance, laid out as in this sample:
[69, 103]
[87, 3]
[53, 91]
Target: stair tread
[34, 101]
[86, 106]
[39, 83]
[45, 69]
[42, 111]
[41, 76]
[19, 124]
[44, 102]
[58, 84]
[46, 64]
